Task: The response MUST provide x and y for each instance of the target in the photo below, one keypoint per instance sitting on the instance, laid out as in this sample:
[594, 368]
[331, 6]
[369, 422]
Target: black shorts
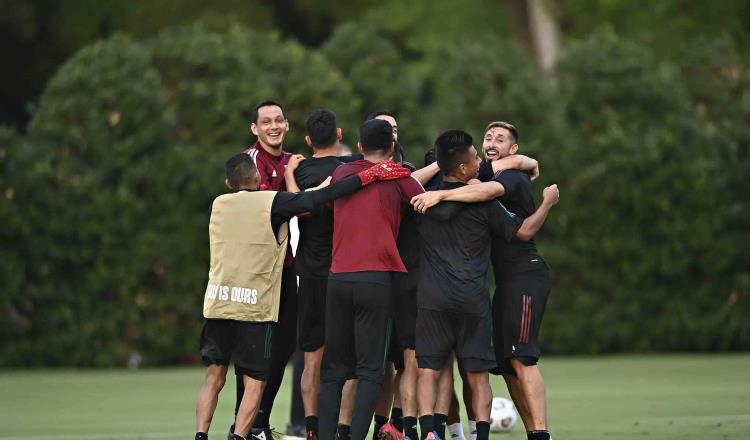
[439, 334]
[246, 344]
[517, 311]
[311, 312]
[404, 316]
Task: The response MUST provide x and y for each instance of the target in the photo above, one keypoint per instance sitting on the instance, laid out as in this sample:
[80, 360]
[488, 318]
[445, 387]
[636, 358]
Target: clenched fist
[551, 195]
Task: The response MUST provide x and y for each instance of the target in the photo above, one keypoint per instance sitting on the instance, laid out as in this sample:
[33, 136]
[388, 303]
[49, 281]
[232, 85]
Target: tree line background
[641, 115]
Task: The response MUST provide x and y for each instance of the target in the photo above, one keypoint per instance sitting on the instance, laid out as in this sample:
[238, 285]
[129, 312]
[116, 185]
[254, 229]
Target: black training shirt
[313, 257]
[456, 253]
[519, 199]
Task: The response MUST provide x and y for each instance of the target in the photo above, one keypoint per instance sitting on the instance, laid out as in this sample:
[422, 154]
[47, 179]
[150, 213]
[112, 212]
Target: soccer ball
[503, 415]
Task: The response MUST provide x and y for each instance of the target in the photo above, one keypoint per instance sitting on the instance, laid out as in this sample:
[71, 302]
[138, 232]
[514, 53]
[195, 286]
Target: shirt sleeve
[509, 179]
[286, 205]
[409, 187]
[485, 171]
[503, 223]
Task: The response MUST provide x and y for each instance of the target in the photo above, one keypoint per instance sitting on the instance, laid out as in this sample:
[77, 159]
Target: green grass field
[615, 397]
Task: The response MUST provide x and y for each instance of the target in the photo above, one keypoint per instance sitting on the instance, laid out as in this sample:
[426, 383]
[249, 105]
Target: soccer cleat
[265, 434]
[433, 436]
[390, 432]
[311, 435]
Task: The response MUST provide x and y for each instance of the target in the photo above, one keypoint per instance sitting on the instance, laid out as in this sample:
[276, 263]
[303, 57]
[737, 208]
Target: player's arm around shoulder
[476, 193]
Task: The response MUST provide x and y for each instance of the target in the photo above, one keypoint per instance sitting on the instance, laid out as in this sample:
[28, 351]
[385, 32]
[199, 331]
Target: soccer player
[522, 289]
[313, 259]
[242, 299]
[357, 306]
[270, 126]
[454, 313]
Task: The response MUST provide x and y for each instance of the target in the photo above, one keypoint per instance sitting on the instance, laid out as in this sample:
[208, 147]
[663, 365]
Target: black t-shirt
[455, 257]
[519, 199]
[313, 257]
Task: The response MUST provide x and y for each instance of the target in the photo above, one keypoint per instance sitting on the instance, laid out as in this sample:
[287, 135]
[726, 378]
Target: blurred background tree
[120, 116]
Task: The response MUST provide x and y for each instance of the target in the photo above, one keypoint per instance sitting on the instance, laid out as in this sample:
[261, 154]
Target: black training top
[519, 199]
[456, 253]
[313, 257]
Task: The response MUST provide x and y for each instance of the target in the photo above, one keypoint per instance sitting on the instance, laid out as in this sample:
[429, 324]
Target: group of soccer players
[393, 283]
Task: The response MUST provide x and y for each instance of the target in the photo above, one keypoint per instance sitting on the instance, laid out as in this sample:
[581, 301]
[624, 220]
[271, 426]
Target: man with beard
[453, 304]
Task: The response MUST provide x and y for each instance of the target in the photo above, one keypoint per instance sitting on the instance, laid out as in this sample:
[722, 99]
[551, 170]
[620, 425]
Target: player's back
[367, 223]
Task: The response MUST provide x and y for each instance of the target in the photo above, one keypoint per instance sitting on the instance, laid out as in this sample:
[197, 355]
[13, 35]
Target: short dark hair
[374, 115]
[502, 124]
[264, 103]
[240, 170]
[399, 155]
[376, 135]
[451, 149]
[429, 157]
[321, 127]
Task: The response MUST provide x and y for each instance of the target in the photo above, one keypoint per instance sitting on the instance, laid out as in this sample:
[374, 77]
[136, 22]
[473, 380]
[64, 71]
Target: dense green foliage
[104, 199]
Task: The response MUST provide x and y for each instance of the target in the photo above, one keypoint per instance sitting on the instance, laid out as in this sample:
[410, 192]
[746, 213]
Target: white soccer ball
[503, 415]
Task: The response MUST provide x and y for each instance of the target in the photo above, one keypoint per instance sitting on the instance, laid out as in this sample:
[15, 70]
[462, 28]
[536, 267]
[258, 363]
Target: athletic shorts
[404, 316]
[517, 311]
[246, 344]
[439, 334]
[311, 312]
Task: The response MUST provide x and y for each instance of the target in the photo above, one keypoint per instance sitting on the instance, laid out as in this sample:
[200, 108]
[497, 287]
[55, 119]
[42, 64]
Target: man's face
[271, 126]
[471, 168]
[391, 120]
[498, 143]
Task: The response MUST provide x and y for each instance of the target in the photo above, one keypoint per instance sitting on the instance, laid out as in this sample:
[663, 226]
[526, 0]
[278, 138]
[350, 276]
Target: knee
[215, 380]
[522, 370]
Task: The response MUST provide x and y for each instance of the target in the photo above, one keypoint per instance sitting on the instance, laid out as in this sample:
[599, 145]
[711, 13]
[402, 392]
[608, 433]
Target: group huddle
[393, 267]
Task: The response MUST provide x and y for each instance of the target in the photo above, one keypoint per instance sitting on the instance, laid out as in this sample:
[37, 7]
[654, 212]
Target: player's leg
[408, 386]
[249, 405]
[311, 319]
[467, 398]
[518, 397]
[338, 358]
[209, 396]
[476, 356]
[455, 427]
[284, 344]
[372, 333]
[444, 397]
[527, 292]
[348, 395]
[216, 340]
[385, 397]
[434, 341]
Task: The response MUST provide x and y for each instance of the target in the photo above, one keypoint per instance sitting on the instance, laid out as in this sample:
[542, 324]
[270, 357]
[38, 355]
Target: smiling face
[498, 143]
[271, 127]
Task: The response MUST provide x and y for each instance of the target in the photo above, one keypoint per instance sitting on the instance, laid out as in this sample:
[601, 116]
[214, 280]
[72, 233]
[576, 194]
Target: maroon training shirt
[271, 169]
[366, 223]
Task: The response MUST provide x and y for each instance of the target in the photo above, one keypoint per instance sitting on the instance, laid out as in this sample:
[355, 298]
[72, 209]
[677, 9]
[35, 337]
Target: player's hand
[294, 162]
[386, 170]
[322, 185]
[425, 201]
[551, 195]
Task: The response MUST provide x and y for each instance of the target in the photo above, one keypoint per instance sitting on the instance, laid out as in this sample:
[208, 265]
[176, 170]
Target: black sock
[440, 421]
[311, 424]
[342, 432]
[201, 436]
[397, 419]
[379, 422]
[426, 425]
[410, 428]
[261, 420]
[483, 430]
[537, 435]
[237, 437]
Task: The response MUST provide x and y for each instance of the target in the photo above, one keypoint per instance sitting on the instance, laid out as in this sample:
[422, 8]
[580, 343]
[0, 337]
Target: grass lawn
[615, 397]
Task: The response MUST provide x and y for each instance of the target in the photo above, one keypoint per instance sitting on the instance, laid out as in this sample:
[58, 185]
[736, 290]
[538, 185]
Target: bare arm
[517, 162]
[291, 182]
[423, 175]
[532, 224]
[480, 192]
